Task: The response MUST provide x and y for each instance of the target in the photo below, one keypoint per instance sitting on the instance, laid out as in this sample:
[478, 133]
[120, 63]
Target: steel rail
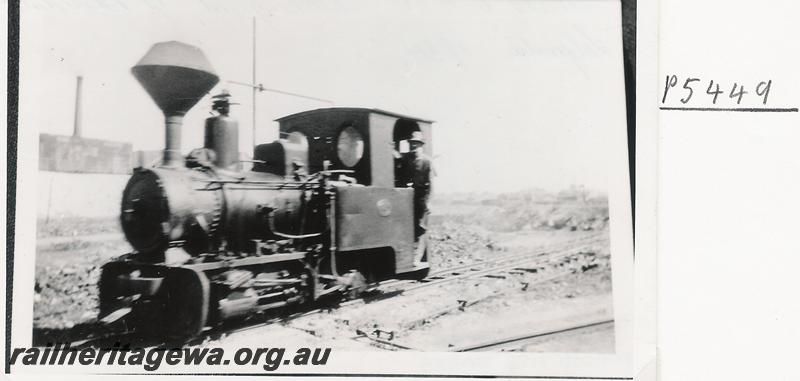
[521, 340]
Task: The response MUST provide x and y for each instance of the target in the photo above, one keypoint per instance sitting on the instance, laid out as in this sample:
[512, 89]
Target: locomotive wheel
[186, 302]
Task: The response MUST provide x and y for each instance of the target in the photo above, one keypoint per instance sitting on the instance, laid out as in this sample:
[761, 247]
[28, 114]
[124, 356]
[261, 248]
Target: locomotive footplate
[180, 301]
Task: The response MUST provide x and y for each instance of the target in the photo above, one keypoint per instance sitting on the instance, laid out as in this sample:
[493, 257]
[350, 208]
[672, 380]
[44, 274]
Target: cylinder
[222, 136]
[172, 143]
[238, 303]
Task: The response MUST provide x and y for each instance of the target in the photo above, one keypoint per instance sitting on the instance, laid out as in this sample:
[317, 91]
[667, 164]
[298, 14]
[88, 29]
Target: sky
[525, 94]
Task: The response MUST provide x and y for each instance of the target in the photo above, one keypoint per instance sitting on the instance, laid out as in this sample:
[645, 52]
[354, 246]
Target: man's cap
[416, 136]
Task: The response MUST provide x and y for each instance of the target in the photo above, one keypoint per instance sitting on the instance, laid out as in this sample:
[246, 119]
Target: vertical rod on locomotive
[332, 222]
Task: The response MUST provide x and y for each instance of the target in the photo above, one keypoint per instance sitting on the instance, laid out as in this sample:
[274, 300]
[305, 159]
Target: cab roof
[356, 109]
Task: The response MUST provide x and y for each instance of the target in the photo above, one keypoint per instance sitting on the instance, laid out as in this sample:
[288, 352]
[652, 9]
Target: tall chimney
[177, 76]
[77, 128]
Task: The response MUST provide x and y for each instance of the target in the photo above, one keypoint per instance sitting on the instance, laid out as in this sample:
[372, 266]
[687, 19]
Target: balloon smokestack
[177, 76]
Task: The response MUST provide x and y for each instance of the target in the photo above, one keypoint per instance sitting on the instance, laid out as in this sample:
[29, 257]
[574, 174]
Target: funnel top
[176, 75]
[176, 53]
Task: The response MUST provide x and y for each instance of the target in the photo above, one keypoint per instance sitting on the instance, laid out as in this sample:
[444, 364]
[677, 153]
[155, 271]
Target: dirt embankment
[69, 254]
[524, 211]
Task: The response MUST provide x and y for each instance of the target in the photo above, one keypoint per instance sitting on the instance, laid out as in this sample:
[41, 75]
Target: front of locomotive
[204, 203]
[201, 228]
[158, 203]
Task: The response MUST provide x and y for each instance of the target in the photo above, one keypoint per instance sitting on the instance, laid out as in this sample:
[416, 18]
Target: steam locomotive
[320, 214]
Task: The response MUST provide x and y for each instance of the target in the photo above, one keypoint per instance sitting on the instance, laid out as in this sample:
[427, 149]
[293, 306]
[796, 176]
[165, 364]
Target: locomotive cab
[373, 221]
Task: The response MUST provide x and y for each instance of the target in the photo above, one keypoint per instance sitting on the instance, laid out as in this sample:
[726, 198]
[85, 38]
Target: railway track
[550, 263]
[545, 260]
[510, 343]
[520, 341]
[475, 268]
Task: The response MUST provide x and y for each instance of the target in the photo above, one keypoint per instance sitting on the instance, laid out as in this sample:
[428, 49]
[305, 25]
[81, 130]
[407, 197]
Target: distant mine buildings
[77, 154]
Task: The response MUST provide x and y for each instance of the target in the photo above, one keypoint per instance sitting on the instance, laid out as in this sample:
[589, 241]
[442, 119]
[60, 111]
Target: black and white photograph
[393, 180]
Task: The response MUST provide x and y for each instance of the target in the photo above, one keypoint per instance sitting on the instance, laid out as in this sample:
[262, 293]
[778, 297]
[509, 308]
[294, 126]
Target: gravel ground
[67, 272]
